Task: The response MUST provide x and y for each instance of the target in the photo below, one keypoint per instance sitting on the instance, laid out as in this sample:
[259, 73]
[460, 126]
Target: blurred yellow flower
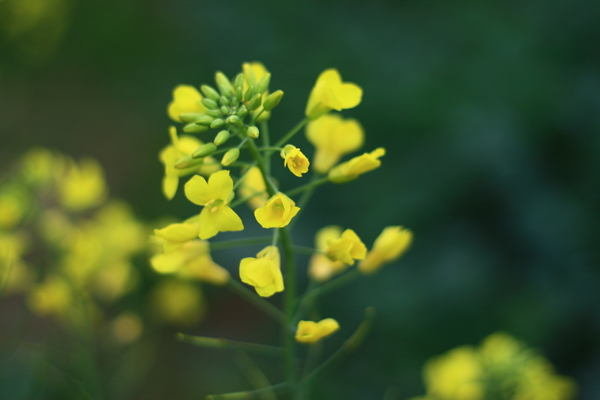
[83, 185]
[391, 243]
[333, 137]
[253, 187]
[50, 298]
[277, 212]
[294, 160]
[347, 248]
[214, 195]
[331, 93]
[351, 169]
[176, 235]
[127, 327]
[321, 268]
[178, 303]
[13, 205]
[186, 99]
[310, 332]
[263, 272]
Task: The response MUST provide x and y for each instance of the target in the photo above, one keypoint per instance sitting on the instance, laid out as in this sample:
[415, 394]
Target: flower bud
[252, 132]
[187, 162]
[225, 90]
[263, 84]
[210, 92]
[224, 101]
[255, 102]
[239, 94]
[273, 100]
[204, 150]
[214, 113]
[210, 104]
[242, 112]
[249, 93]
[189, 117]
[217, 123]
[204, 120]
[234, 120]
[225, 110]
[239, 82]
[223, 84]
[230, 157]
[193, 128]
[221, 137]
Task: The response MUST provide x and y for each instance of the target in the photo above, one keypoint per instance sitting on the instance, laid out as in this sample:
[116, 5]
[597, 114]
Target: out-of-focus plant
[232, 120]
[500, 368]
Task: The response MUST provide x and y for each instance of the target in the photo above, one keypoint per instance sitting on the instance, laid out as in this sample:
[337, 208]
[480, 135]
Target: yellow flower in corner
[358, 165]
[389, 246]
[214, 195]
[263, 272]
[277, 212]
[310, 332]
[347, 248]
[253, 187]
[333, 137]
[294, 160]
[186, 99]
[330, 93]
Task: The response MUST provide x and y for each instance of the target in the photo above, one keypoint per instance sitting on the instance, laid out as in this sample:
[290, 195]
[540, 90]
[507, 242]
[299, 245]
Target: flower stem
[218, 343]
[289, 307]
[257, 394]
[259, 302]
[226, 244]
[291, 133]
[264, 129]
[310, 185]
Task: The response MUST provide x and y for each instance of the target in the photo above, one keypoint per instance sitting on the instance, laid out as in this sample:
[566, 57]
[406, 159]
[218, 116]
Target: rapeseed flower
[333, 137]
[82, 186]
[179, 303]
[176, 235]
[263, 272]
[389, 246]
[214, 195]
[277, 212]
[294, 160]
[321, 268]
[351, 169]
[186, 99]
[330, 93]
[310, 332]
[346, 248]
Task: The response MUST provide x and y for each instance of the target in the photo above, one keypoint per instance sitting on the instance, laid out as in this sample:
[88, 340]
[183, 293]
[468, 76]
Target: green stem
[258, 301]
[257, 394]
[241, 179]
[244, 199]
[260, 162]
[264, 129]
[226, 244]
[218, 343]
[290, 306]
[310, 185]
[291, 133]
[305, 250]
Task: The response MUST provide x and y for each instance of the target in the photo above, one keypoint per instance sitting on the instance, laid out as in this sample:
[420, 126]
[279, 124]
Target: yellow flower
[178, 302]
[389, 246]
[186, 99]
[330, 93]
[322, 268]
[191, 260]
[294, 160]
[13, 206]
[181, 147]
[253, 73]
[52, 297]
[127, 327]
[254, 185]
[346, 248]
[83, 185]
[358, 165]
[333, 137]
[277, 212]
[310, 332]
[263, 272]
[455, 375]
[214, 195]
[176, 235]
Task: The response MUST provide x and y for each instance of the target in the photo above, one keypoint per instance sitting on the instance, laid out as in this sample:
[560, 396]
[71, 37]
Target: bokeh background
[490, 113]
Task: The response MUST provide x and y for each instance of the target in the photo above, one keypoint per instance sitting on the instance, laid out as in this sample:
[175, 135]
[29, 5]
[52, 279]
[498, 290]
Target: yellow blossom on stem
[263, 272]
[214, 195]
[321, 268]
[179, 148]
[333, 137]
[294, 160]
[310, 332]
[176, 235]
[186, 99]
[347, 248]
[253, 187]
[277, 212]
[351, 169]
[330, 93]
[389, 246]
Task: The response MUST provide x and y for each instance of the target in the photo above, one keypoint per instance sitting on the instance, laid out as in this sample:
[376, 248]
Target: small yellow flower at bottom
[263, 272]
[277, 212]
[389, 246]
[310, 332]
[358, 165]
[294, 160]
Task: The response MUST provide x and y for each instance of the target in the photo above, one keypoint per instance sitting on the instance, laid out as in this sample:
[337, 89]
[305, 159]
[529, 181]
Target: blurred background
[490, 114]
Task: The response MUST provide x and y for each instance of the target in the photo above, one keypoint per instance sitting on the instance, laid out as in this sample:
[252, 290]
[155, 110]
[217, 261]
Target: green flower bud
[263, 84]
[190, 117]
[214, 113]
[234, 120]
[204, 120]
[204, 150]
[217, 123]
[230, 157]
[224, 101]
[193, 128]
[225, 110]
[239, 82]
[221, 137]
[188, 162]
[255, 102]
[210, 92]
[210, 104]
[223, 84]
[249, 93]
[272, 100]
[239, 94]
[252, 132]
[242, 112]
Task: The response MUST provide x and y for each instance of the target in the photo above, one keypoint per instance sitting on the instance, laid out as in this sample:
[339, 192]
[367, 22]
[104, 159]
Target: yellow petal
[198, 191]
[349, 95]
[221, 185]
[227, 220]
[207, 226]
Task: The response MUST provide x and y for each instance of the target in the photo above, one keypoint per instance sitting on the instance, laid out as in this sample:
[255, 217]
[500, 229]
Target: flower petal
[197, 190]
[207, 226]
[221, 185]
[227, 220]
